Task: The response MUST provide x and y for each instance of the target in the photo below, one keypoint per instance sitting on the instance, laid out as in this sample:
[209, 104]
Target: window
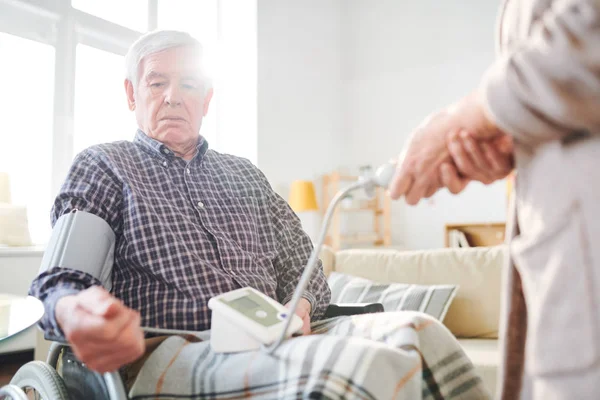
[130, 13]
[63, 73]
[101, 112]
[26, 133]
[199, 18]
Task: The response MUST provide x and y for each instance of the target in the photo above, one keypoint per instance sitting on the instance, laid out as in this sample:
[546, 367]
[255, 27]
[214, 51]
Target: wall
[299, 88]
[403, 60]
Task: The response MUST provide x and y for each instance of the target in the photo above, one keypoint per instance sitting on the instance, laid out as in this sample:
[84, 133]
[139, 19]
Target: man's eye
[191, 86]
[157, 84]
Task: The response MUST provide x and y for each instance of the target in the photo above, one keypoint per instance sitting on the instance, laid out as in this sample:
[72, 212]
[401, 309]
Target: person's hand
[484, 160]
[417, 175]
[419, 169]
[303, 311]
[103, 333]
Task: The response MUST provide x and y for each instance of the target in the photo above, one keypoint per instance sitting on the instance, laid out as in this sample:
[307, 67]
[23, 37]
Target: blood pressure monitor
[244, 319]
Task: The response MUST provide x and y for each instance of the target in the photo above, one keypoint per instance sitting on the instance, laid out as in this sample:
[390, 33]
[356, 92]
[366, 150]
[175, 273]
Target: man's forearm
[549, 87]
[50, 287]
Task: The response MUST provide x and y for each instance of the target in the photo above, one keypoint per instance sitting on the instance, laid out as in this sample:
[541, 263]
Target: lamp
[302, 196]
[303, 201]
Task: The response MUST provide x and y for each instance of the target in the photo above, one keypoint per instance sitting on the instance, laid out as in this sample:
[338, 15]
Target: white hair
[155, 42]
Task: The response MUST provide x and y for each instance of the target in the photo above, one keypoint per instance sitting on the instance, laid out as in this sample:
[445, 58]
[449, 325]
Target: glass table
[17, 313]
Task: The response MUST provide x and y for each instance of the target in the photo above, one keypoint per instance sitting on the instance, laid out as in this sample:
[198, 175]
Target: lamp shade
[4, 188]
[302, 196]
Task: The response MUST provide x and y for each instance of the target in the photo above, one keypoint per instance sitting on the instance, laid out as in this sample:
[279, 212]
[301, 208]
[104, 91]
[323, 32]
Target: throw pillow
[430, 299]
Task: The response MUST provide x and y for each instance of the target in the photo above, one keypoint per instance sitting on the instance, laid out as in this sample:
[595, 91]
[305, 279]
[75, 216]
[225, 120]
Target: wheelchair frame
[14, 390]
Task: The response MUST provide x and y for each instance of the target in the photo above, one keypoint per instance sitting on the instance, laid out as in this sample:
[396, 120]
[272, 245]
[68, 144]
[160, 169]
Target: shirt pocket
[558, 284]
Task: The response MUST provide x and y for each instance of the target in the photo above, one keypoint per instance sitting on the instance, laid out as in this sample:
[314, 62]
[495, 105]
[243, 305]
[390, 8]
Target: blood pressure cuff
[83, 242]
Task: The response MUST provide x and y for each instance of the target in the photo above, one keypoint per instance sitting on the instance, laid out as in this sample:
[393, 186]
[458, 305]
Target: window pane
[26, 135]
[101, 112]
[199, 19]
[130, 13]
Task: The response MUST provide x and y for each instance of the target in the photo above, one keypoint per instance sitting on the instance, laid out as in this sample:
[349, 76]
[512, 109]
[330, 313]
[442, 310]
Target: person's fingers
[98, 301]
[129, 347]
[451, 180]
[104, 355]
[473, 150]
[431, 190]
[461, 159]
[501, 164]
[401, 183]
[418, 189]
[110, 328]
[469, 159]
[504, 144]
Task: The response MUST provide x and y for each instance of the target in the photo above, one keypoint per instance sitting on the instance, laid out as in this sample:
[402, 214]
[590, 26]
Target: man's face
[170, 99]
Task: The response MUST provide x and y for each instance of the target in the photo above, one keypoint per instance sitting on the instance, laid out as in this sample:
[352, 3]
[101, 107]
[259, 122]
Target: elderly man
[543, 94]
[190, 224]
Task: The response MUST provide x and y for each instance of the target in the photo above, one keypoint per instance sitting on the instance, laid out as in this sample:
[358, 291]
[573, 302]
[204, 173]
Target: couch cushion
[474, 311]
[433, 300]
[485, 355]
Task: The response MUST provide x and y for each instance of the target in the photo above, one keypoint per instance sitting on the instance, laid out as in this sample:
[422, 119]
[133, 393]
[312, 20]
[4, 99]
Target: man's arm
[293, 250]
[89, 187]
[549, 87]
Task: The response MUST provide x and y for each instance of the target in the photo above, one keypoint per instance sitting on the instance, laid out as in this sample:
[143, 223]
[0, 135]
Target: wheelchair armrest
[336, 310]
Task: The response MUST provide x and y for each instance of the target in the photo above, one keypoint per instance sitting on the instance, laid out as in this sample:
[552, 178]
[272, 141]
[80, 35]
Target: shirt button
[188, 171]
[200, 204]
[166, 151]
[164, 163]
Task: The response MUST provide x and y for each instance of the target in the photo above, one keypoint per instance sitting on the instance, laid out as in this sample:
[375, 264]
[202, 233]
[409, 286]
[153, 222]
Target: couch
[473, 316]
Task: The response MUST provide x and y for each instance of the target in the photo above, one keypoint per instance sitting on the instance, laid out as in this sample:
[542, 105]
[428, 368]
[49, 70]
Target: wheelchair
[42, 380]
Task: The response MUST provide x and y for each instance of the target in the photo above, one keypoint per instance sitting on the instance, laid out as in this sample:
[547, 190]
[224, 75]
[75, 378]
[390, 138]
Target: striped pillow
[432, 299]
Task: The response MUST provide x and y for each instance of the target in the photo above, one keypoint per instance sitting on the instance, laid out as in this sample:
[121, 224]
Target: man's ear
[207, 100]
[130, 96]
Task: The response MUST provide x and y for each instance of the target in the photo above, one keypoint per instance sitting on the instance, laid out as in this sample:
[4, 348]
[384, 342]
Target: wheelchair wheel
[42, 379]
[12, 392]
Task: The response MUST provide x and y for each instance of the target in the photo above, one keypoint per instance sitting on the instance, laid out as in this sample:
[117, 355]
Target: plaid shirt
[186, 231]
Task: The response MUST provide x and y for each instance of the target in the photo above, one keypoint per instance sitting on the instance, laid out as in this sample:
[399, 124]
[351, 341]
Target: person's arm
[293, 250]
[549, 87]
[90, 187]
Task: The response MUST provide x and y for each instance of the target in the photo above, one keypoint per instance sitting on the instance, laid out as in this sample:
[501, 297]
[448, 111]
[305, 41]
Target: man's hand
[303, 311]
[420, 172]
[103, 333]
[476, 160]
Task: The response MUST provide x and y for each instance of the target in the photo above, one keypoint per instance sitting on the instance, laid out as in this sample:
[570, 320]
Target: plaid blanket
[396, 355]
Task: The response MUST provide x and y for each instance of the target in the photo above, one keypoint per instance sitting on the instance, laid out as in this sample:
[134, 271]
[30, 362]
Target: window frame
[62, 26]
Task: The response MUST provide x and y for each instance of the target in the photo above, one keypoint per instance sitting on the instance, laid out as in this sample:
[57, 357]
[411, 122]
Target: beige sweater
[544, 89]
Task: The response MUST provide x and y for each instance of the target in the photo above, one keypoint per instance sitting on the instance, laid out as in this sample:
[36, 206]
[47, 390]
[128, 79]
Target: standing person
[542, 95]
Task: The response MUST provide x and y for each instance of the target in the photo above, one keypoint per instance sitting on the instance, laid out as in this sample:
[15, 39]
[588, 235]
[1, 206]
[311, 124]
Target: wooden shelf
[364, 209]
[379, 207]
[478, 234]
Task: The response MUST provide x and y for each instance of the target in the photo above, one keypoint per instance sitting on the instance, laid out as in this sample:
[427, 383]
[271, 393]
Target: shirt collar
[159, 148]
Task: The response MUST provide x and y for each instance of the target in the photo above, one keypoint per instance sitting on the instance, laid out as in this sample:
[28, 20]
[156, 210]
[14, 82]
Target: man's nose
[173, 95]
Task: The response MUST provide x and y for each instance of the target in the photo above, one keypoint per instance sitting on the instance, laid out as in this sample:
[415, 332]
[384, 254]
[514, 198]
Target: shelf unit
[478, 234]
[379, 207]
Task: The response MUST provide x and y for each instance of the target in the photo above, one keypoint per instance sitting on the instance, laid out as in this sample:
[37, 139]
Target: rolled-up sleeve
[89, 187]
[548, 87]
